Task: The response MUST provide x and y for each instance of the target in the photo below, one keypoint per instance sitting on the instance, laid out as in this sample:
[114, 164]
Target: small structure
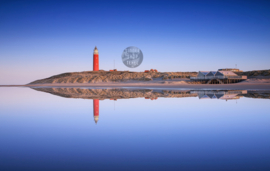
[112, 70]
[151, 70]
[217, 77]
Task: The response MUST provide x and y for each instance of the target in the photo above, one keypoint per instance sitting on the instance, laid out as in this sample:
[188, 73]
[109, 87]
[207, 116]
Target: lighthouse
[96, 68]
[95, 60]
[96, 109]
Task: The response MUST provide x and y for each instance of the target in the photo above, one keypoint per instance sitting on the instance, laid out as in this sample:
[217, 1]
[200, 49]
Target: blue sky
[43, 38]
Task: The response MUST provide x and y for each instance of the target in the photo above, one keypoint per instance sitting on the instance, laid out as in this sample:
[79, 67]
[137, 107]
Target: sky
[39, 39]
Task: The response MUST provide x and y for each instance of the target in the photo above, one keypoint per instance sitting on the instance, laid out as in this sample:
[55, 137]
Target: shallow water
[54, 129]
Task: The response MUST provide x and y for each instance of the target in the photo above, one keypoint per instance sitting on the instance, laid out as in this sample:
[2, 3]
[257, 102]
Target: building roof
[214, 72]
[228, 73]
[204, 72]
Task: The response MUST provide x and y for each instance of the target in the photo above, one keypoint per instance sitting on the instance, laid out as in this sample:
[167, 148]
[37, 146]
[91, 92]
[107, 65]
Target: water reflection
[151, 94]
[156, 130]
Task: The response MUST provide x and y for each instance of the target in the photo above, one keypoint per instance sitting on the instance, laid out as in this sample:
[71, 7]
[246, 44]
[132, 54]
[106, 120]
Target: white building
[218, 75]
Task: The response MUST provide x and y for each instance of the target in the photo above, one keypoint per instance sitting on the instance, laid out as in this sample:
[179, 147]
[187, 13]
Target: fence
[218, 77]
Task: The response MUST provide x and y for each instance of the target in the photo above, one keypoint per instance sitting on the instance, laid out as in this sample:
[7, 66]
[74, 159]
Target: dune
[116, 76]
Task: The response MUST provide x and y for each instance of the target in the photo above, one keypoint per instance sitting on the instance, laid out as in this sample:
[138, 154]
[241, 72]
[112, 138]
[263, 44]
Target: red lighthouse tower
[95, 60]
[96, 109]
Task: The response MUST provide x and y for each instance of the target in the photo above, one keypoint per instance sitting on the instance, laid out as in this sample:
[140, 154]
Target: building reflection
[222, 95]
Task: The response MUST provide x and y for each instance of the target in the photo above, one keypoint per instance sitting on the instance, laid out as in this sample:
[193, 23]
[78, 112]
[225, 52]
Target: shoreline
[257, 86]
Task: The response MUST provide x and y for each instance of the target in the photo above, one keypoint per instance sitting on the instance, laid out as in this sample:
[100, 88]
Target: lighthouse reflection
[96, 109]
